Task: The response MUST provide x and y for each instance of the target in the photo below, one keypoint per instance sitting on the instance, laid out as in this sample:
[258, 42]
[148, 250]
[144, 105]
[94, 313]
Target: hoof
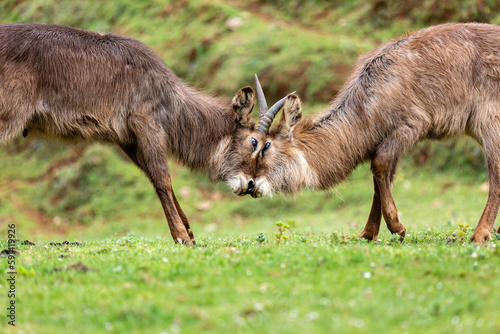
[402, 235]
[368, 235]
[480, 236]
[191, 237]
[186, 242]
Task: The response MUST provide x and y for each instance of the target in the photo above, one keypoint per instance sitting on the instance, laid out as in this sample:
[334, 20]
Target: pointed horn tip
[256, 77]
[276, 107]
[261, 97]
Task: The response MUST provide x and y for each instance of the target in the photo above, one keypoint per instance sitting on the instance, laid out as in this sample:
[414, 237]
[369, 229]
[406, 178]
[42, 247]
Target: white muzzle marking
[262, 188]
[239, 184]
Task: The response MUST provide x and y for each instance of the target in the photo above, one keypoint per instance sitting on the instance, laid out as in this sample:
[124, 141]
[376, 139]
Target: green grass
[311, 283]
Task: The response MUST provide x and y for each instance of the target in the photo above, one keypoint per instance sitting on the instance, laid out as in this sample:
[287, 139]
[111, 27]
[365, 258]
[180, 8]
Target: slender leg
[382, 175]
[184, 218]
[487, 221]
[372, 226]
[370, 232]
[383, 167]
[153, 162]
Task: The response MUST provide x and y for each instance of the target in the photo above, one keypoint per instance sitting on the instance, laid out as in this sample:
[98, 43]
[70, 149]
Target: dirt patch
[44, 221]
[7, 252]
[80, 267]
[65, 243]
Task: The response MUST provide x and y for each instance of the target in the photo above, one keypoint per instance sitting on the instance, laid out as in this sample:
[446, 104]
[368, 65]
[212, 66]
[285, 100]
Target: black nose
[251, 187]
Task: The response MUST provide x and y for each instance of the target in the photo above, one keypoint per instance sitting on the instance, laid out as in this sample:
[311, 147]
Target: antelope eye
[268, 144]
[254, 142]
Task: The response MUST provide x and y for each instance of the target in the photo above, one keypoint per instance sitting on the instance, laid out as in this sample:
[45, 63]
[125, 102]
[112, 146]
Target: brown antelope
[80, 85]
[436, 83]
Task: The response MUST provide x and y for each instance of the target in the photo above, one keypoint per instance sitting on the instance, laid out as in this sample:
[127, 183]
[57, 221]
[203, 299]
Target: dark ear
[243, 103]
[291, 114]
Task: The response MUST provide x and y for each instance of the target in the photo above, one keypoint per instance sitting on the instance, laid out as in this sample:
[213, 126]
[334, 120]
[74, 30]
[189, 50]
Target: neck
[334, 142]
[365, 111]
[197, 126]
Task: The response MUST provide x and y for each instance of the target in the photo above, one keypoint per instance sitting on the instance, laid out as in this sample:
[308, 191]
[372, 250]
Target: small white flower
[109, 326]
[312, 316]
[258, 307]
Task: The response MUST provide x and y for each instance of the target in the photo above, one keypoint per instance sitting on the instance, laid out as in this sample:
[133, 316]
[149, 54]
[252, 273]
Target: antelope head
[266, 159]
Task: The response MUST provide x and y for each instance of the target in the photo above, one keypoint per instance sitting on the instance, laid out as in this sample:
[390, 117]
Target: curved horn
[266, 120]
[261, 98]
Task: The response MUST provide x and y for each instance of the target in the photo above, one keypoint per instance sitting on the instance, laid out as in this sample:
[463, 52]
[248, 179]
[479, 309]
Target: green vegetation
[305, 274]
[309, 283]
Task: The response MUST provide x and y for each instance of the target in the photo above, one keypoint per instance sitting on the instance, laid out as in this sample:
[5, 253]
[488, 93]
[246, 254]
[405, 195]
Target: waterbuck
[80, 85]
[440, 82]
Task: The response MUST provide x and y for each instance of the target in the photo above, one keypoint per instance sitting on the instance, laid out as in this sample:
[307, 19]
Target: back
[51, 75]
[446, 75]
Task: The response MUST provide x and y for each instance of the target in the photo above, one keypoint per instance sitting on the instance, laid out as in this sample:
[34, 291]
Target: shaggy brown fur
[80, 85]
[436, 83]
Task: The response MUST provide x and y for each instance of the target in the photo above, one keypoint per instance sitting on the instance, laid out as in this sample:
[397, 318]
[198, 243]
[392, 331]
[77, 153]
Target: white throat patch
[310, 178]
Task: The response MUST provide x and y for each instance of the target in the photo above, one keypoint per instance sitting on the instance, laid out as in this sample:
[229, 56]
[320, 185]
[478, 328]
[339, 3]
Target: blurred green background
[53, 191]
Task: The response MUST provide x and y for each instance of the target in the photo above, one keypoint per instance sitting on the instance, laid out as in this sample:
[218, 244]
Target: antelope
[436, 83]
[79, 85]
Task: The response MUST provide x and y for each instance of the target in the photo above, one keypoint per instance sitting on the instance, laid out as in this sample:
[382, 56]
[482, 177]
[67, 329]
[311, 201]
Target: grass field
[257, 283]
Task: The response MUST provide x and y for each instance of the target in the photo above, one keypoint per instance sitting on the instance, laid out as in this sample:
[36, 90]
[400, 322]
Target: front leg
[487, 221]
[370, 232]
[383, 167]
[389, 209]
[179, 227]
[149, 154]
[184, 218]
